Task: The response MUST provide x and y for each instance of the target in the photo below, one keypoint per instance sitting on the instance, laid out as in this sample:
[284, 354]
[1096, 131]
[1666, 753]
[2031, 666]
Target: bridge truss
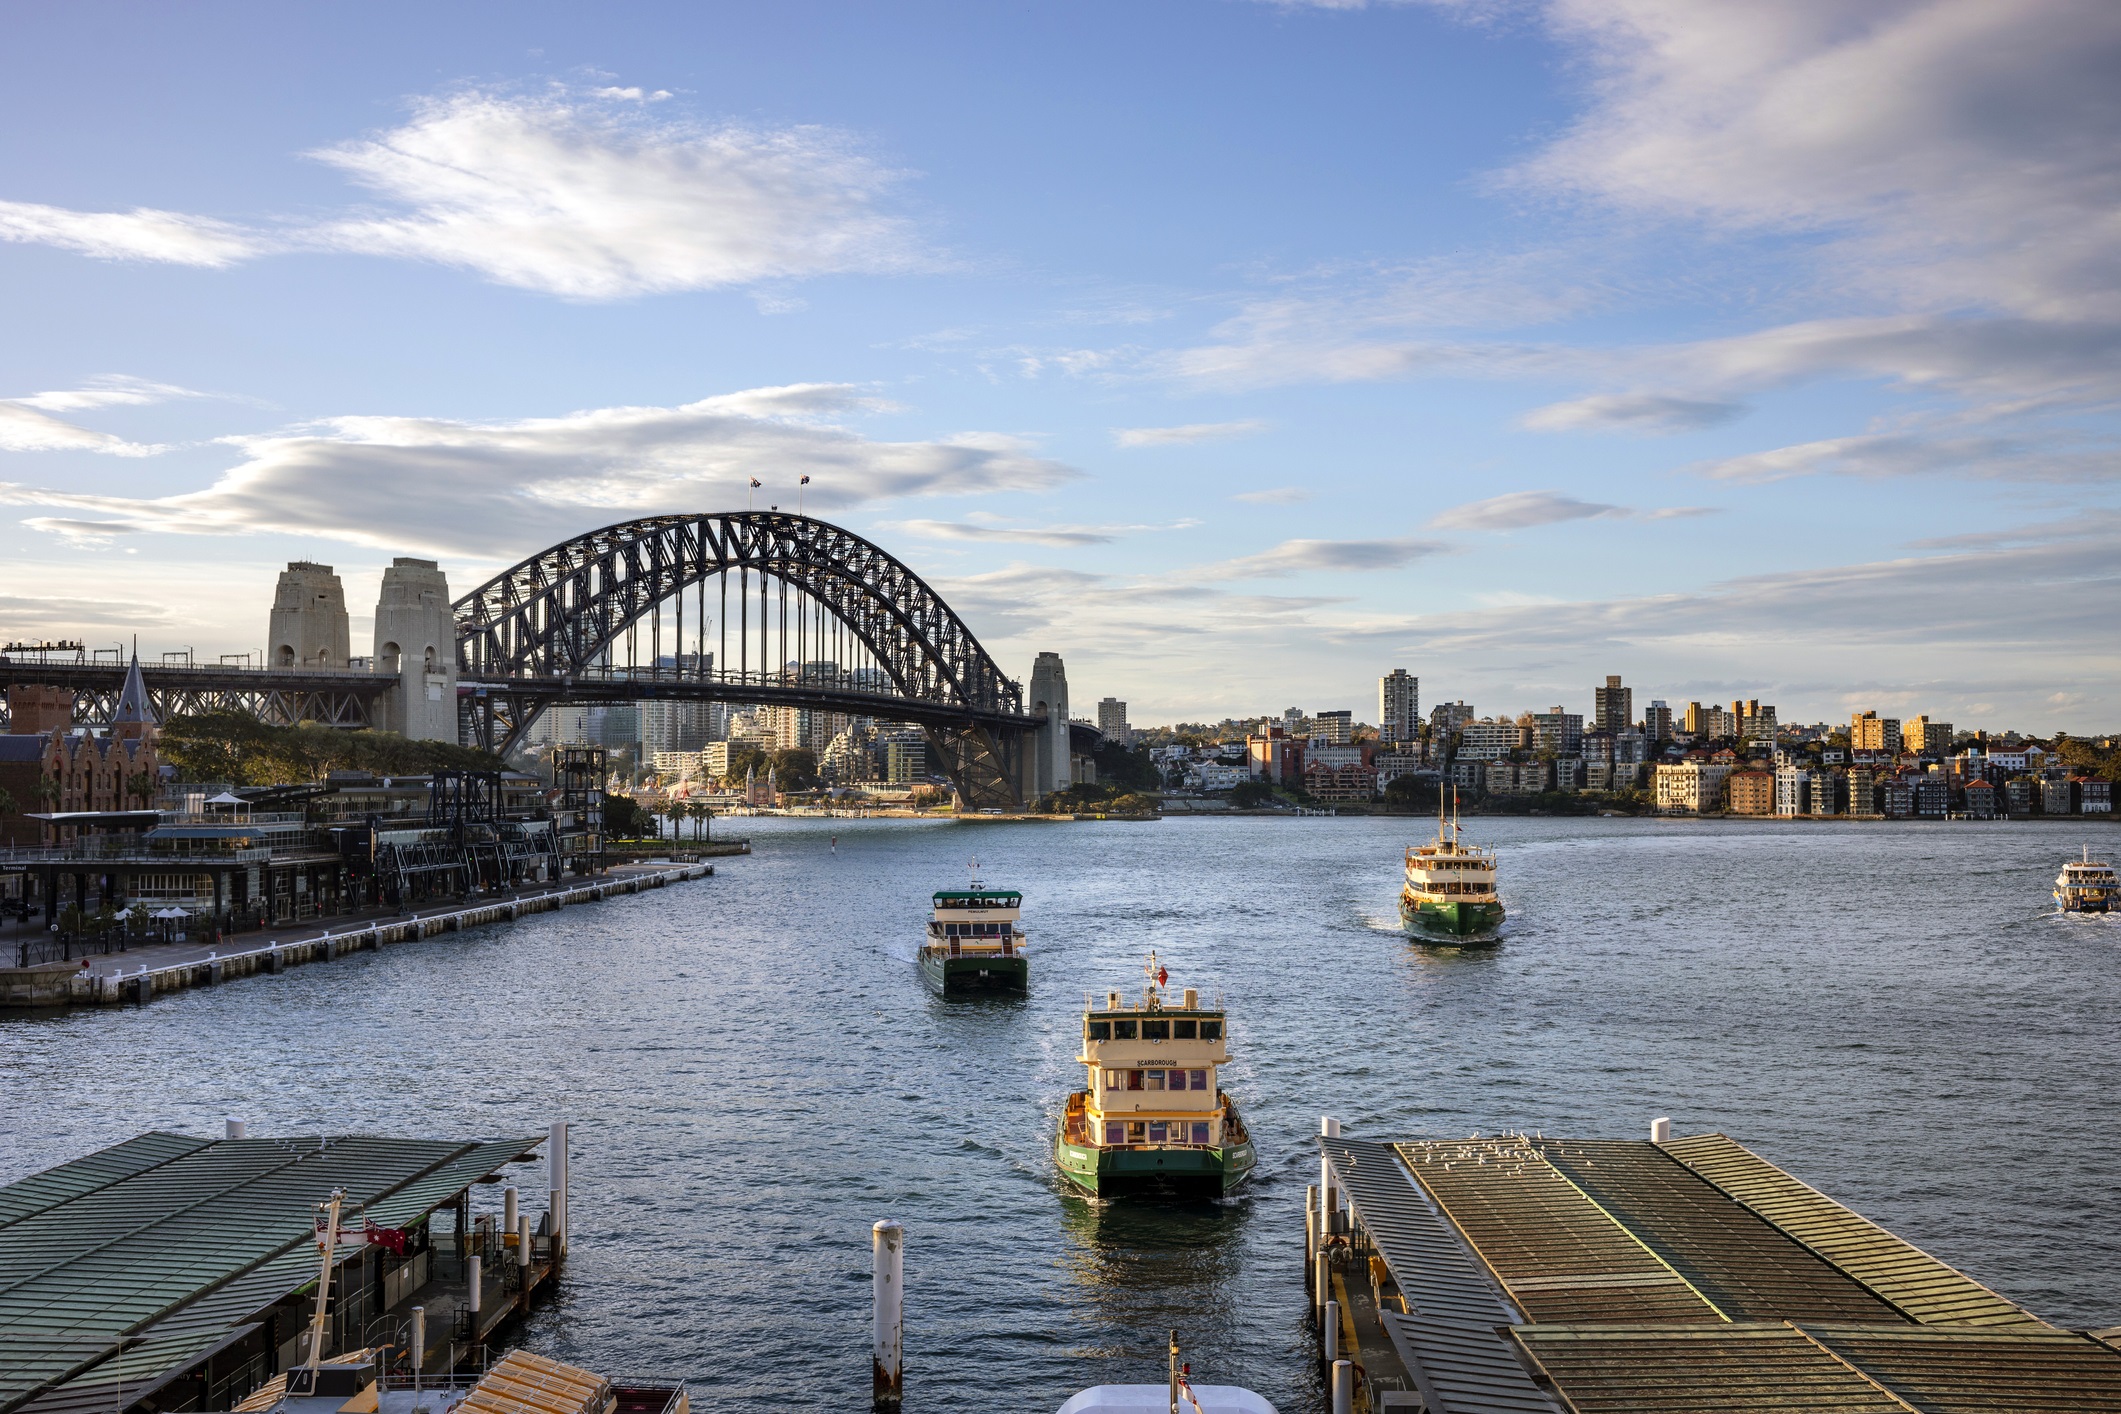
[784, 610]
[338, 699]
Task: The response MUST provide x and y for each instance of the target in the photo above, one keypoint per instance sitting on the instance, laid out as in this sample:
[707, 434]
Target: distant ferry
[2087, 886]
[1154, 1115]
[975, 942]
[1450, 885]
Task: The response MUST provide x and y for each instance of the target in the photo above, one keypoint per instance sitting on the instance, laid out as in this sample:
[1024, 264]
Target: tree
[1250, 795]
[625, 819]
[1129, 768]
[795, 769]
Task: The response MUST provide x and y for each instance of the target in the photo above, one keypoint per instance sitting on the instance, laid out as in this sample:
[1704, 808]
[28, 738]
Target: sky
[1239, 352]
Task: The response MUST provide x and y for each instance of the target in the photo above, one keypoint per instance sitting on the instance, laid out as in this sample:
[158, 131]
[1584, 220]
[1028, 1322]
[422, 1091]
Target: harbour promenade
[139, 973]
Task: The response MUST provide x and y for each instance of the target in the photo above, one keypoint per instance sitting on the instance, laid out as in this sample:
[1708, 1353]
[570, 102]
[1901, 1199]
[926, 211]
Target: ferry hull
[2084, 903]
[1450, 916]
[1112, 1172]
[967, 976]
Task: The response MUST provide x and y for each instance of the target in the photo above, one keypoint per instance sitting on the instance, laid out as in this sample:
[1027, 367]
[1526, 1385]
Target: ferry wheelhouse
[1450, 885]
[975, 942]
[1154, 1115]
[2087, 885]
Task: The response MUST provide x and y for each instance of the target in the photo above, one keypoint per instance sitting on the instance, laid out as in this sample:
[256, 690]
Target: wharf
[138, 974]
[1529, 1275]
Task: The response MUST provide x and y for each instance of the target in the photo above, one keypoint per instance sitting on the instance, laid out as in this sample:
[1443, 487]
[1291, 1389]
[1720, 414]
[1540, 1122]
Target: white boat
[1156, 1399]
[2087, 885]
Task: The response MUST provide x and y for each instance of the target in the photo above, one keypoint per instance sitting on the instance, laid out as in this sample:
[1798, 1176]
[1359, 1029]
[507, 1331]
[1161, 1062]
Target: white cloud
[106, 390]
[1275, 496]
[1632, 412]
[1060, 536]
[24, 429]
[1322, 556]
[504, 489]
[167, 237]
[586, 196]
[1187, 434]
[1519, 510]
[1894, 454]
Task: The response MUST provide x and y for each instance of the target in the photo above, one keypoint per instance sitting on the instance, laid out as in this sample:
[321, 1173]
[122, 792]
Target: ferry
[1450, 885]
[976, 942]
[1154, 1115]
[2087, 886]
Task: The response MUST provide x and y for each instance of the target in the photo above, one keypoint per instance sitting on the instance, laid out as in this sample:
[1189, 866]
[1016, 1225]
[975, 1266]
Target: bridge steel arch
[543, 633]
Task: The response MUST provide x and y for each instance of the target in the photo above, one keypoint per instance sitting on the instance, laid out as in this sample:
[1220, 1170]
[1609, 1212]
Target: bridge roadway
[859, 697]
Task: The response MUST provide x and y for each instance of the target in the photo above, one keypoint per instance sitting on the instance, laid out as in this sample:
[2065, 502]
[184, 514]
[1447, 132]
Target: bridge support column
[1049, 698]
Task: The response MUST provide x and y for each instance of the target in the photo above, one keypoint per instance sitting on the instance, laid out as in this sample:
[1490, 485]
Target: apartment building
[1398, 705]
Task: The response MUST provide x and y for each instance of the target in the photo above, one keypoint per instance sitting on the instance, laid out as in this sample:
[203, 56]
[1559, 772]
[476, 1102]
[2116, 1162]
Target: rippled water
[755, 1073]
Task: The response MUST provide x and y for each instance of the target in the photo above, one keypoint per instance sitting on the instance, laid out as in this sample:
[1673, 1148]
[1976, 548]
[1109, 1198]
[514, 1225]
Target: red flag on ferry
[1163, 976]
[391, 1239]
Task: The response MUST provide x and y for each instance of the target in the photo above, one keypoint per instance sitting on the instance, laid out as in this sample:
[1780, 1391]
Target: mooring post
[523, 1249]
[419, 1352]
[1310, 1227]
[472, 1293]
[1660, 1130]
[508, 1208]
[887, 1385]
[1321, 1283]
[1332, 1333]
[556, 1173]
[1329, 1128]
[1343, 1387]
[233, 1128]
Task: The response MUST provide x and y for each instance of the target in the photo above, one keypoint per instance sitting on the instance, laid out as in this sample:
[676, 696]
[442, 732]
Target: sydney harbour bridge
[741, 607]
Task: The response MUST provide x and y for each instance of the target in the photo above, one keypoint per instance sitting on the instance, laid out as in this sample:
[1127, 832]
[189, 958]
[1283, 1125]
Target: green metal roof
[980, 895]
[174, 1243]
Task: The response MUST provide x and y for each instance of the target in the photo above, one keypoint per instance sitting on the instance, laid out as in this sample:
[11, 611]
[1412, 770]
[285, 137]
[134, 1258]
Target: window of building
[1156, 1030]
[1211, 1031]
[1123, 1030]
[1185, 1030]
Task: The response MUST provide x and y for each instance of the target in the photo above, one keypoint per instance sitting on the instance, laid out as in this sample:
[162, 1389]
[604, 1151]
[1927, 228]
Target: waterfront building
[1336, 728]
[1981, 800]
[1657, 721]
[905, 757]
[1862, 792]
[309, 627]
[1793, 790]
[1896, 798]
[1448, 718]
[1568, 773]
[1870, 732]
[1932, 739]
[2021, 795]
[2094, 797]
[1466, 774]
[1612, 706]
[1489, 739]
[1557, 733]
[1398, 706]
[1391, 765]
[1828, 789]
[1751, 792]
[2056, 796]
[1112, 721]
[1340, 783]
[1933, 797]
[1689, 787]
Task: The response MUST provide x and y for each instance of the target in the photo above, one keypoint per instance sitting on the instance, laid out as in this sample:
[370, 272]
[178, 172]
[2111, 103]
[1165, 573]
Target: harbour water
[755, 1073]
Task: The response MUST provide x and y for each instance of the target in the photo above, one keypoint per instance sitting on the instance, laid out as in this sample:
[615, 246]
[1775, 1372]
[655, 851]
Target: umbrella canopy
[173, 913]
[227, 798]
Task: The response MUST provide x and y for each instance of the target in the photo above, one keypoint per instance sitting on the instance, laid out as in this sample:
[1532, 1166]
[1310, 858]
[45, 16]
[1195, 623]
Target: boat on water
[1154, 1116]
[1450, 885]
[975, 942]
[2087, 885]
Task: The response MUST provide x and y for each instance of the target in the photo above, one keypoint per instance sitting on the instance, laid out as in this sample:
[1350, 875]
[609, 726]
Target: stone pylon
[1049, 758]
[309, 625]
[416, 643]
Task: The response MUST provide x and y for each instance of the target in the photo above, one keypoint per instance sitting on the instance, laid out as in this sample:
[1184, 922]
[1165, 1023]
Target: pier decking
[1519, 1275]
[139, 974]
[171, 1272]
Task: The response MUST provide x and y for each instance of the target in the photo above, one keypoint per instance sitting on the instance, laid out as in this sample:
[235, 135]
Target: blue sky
[1239, 352]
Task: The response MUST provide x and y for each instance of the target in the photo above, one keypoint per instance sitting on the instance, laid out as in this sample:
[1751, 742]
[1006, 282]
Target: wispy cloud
[1275, 496]
[1519, 510]
[1185, 435]
[1322, 556]
[107, 390]
[498, 489]
[585, 195]
[1878, 455]
[1060, 536]
[24, 429]
[1632, 412]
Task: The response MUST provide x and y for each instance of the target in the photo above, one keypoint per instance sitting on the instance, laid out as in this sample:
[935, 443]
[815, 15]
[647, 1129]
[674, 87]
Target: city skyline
[1275, 344]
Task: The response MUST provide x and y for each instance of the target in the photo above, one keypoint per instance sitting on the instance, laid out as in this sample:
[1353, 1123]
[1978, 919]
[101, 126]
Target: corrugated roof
[178, 1253]
[1432, 1269]
[1558, 1254]
[1464, 1369]
[1751, 1369]
[98, 1170]
[1925, 1289]
[1750, 1269]
[1946, 1370]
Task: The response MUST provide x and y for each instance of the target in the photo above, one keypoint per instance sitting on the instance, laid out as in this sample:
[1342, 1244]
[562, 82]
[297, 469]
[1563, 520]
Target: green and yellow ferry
[1154, 1116]
[975, 942]
[1450, 885]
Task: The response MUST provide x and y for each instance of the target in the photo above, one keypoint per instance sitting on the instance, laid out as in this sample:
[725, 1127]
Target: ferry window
[1115, 1080]
[1184, 1030]
[1200, 1079]
[1156, 1030]
[1115, 1132]
[1211, 1031]
[1123, 1030]
[1200, 1131]
[1158, 1132]
[1137, 1132]
[1134, 1080]
[1100, 1030]
[1155, 1079]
